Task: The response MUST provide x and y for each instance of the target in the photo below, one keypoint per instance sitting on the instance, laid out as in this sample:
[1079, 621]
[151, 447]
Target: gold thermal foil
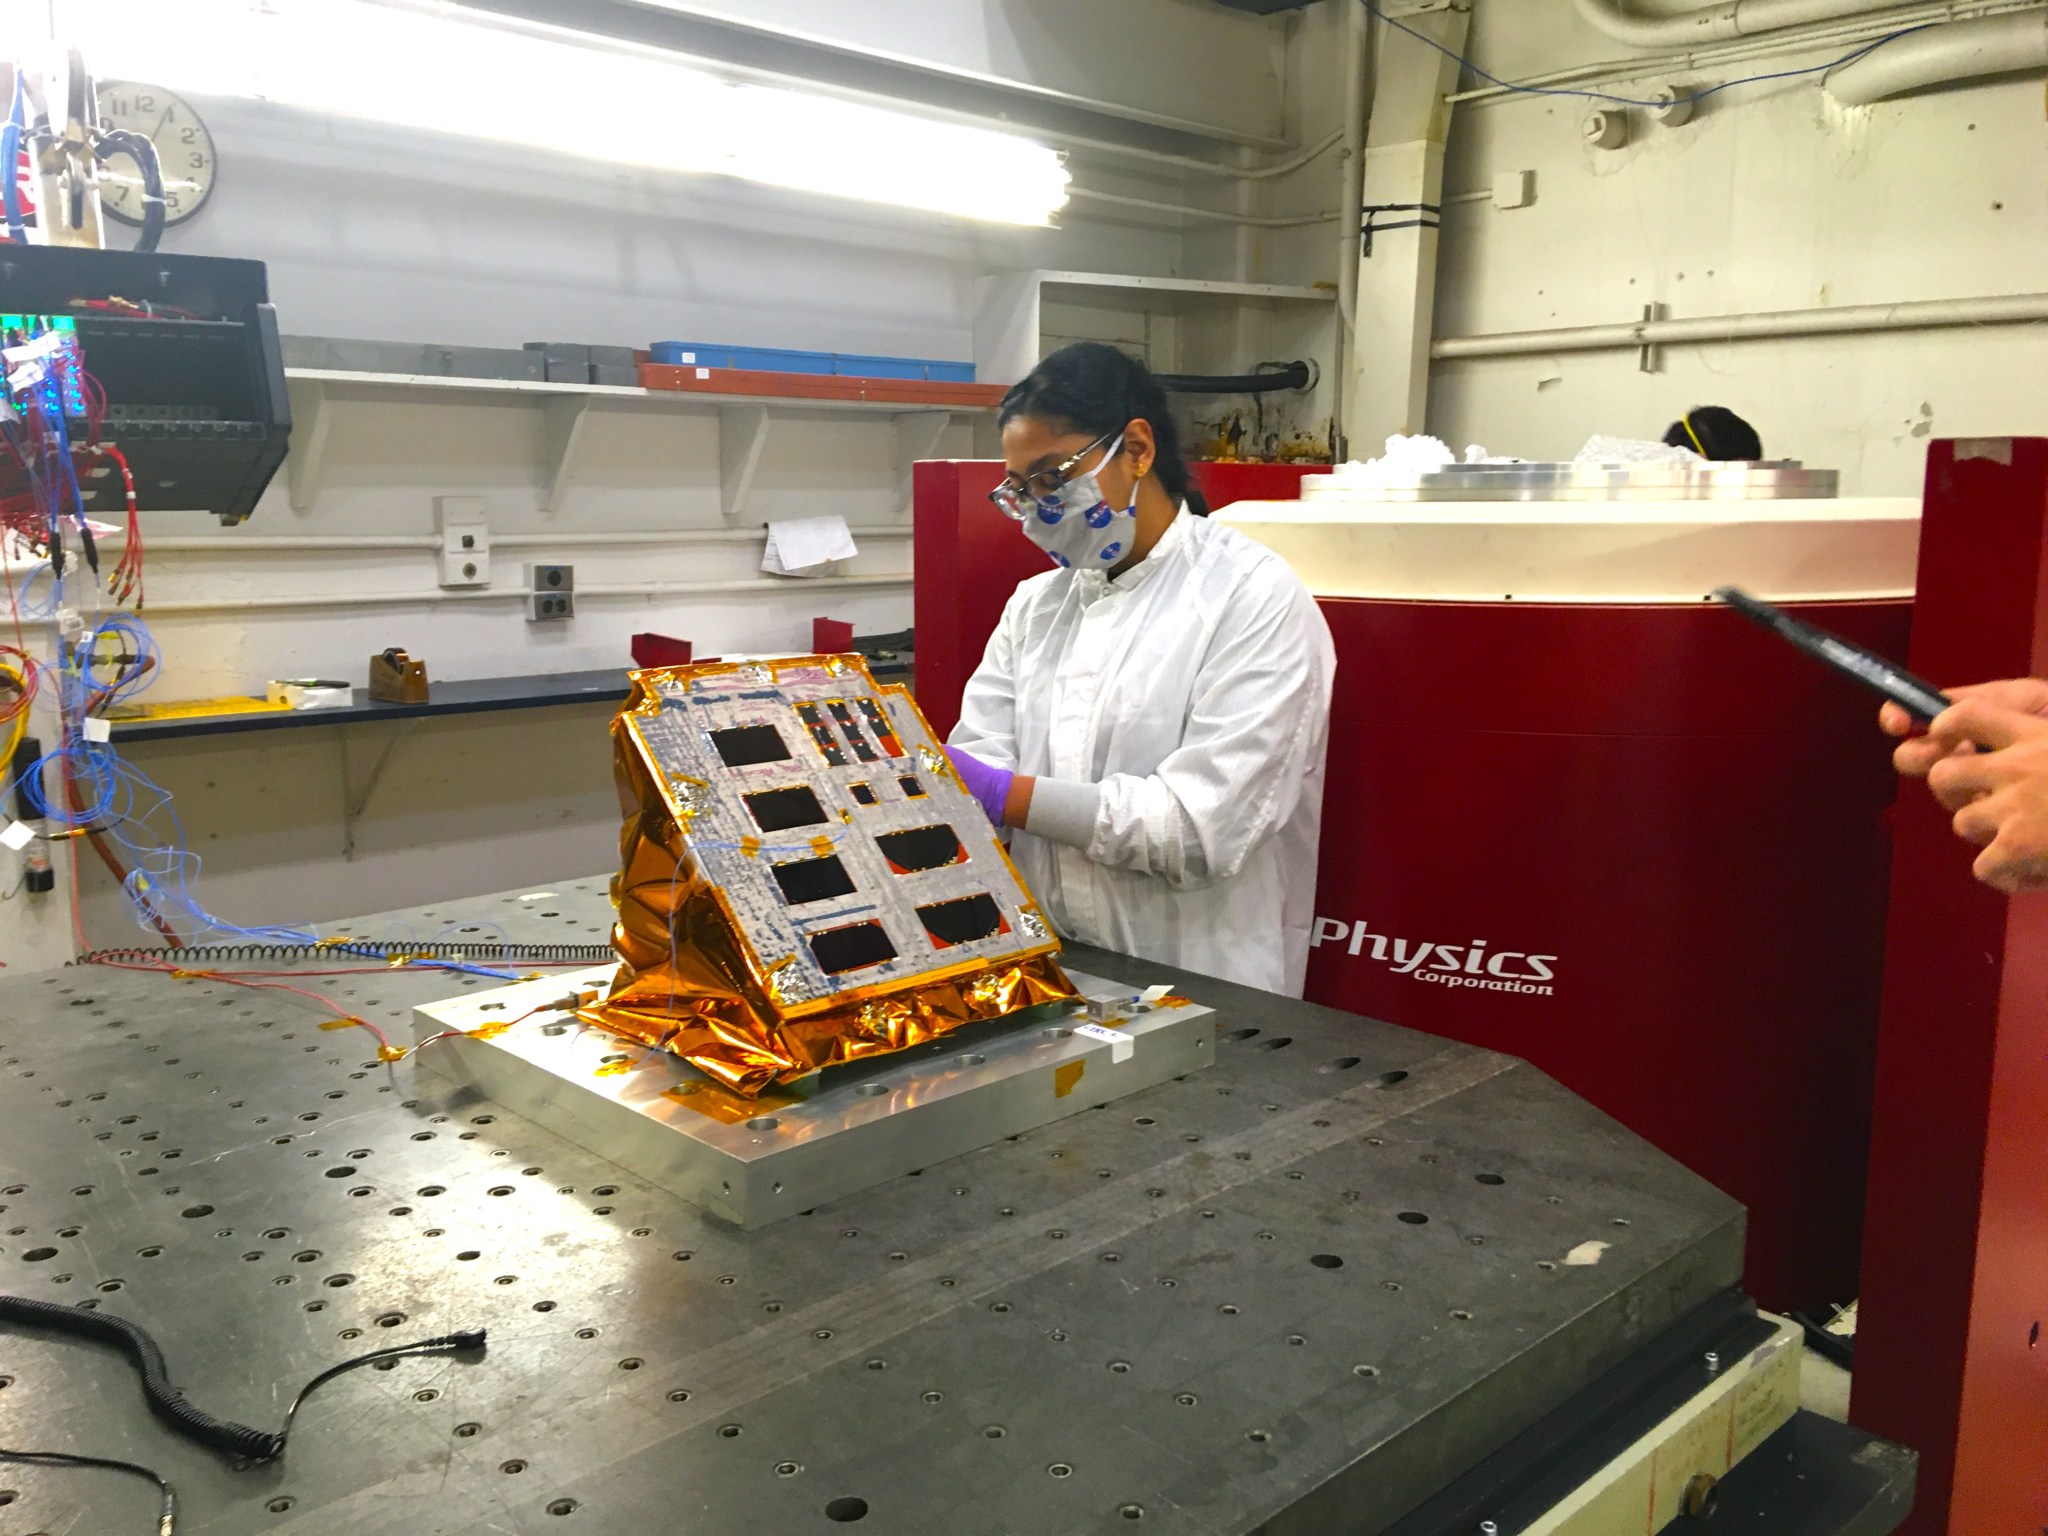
[692, 981]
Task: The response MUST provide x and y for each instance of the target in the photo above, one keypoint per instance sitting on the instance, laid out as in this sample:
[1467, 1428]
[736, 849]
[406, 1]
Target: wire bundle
[47, 388]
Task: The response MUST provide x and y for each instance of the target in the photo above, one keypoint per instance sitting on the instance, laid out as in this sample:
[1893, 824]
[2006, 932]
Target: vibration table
[1343, 1271]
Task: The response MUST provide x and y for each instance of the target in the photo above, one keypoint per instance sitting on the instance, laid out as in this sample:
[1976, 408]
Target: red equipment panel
[1642, 848]
[1952, 1337]
[970, 558]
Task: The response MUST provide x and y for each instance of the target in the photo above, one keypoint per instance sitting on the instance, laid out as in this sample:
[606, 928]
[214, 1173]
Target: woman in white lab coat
[1151, 715]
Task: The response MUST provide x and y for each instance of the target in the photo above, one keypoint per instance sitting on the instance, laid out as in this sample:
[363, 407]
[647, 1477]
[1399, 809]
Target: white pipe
[1357, 64]
[1962, 50]
[1713, 23]
[1850, 320]
[1694, 61]
[1220, 214]
[790, 588]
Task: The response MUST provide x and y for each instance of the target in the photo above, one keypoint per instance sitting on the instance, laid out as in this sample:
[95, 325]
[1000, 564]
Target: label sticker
[703, 373]
[97, 729]
[17, 836]
[1121, 1046]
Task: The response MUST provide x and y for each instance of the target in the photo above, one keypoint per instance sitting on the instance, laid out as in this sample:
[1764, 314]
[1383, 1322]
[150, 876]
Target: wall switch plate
[551, 578]
[544, 606]
[465, 554]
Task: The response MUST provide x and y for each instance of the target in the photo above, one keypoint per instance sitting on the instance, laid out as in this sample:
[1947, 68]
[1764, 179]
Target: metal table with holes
[1300, 1290]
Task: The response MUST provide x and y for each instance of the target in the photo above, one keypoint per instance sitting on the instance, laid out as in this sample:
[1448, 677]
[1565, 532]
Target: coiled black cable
[369, 949]
[165, 1400]
[168, 1403]
[139, 148]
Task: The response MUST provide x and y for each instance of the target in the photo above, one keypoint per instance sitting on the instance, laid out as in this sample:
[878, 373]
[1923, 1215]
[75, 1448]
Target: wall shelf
[1011, 333]
[744, 422]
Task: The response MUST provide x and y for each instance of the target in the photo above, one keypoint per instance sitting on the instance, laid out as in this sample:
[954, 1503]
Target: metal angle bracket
[753, 1162]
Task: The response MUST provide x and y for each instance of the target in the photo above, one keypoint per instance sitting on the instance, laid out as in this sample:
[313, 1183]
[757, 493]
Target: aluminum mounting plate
[845, 1130]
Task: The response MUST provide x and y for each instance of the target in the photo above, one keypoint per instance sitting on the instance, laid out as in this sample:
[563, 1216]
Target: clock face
[183, 146]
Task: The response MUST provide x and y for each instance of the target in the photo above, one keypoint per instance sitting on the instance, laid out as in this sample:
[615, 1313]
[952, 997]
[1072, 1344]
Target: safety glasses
[1017, 495]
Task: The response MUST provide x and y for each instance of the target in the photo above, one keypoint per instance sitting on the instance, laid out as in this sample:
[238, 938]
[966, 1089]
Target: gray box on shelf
[430, 359]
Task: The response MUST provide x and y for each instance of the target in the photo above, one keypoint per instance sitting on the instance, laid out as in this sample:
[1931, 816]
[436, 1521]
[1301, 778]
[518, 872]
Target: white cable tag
[97, 729]
[1151, 995]
[1121, 1046]
[17, 836]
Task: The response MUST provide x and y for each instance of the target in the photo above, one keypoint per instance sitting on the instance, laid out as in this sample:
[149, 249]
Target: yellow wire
[1702, 447]
[10, 673]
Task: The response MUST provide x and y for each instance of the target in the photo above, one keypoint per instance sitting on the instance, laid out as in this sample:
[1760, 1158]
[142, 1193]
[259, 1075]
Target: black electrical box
[186, 350]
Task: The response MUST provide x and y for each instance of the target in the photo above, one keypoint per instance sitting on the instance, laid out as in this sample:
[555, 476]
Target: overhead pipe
[1707, 58]
[1848, 320]
[1713, 23]
[1961, 50]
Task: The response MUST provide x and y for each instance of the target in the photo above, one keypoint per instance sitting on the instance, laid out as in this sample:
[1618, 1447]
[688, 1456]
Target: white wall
[1773, 198]
[1189, 59]
[373, 234]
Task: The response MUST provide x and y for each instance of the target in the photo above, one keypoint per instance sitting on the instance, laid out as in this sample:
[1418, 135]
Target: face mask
[1078, 527]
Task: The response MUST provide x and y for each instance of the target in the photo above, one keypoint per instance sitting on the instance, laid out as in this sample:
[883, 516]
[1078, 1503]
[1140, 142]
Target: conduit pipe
[367, 543]
[1711, 58]
[1712, 23]
[1849, 320]
[429, 599]
[1961, 50]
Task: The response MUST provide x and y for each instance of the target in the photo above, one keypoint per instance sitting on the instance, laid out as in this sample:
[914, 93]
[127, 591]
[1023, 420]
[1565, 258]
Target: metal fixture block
[844, 1130]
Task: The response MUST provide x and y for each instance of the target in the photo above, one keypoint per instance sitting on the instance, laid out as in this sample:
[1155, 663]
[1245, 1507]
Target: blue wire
[1629, 101]
[10, 155]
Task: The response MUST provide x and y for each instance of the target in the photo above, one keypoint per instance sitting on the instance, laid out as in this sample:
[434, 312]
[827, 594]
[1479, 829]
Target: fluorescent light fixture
[441, 68]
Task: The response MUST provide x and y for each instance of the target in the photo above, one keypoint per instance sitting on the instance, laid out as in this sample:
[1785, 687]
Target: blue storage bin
[859, 365]
[868, 366]
[701, 354]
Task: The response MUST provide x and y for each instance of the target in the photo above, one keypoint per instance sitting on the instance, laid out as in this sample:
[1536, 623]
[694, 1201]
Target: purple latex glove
[985, 781]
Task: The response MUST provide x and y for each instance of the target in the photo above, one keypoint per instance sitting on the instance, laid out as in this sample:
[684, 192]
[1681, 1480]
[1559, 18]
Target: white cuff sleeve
[1064, 811]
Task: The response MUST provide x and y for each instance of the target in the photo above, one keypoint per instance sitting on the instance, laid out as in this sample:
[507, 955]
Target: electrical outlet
[551, 578]
[550, 605]
[465, 541]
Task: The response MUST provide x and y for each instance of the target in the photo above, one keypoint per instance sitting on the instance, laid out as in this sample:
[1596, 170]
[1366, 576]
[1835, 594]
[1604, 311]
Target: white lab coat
[1195, 691]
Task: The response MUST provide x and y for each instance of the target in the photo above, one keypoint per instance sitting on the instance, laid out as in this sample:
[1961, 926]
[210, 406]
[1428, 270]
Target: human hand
[1991, 770]
[1918, 754]
[988, 784]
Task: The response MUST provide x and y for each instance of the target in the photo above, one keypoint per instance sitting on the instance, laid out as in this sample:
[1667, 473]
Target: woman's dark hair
[1715, 432]
[1092, 387]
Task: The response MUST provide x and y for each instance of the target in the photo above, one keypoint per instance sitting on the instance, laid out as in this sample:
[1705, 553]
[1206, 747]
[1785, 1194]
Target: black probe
[1917, 697]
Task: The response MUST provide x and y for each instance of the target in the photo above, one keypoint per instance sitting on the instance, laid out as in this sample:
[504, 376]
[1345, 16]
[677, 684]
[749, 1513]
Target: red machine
[1641, 846]
[1649, 843]
[1952, 1341]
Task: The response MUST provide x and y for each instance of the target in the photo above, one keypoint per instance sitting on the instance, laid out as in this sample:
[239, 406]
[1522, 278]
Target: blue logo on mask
[1113, 550]
[1100, 514]
[1059, 559]
[1050, 512]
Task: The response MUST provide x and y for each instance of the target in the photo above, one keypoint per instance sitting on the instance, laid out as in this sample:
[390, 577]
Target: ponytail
[1093, 388]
